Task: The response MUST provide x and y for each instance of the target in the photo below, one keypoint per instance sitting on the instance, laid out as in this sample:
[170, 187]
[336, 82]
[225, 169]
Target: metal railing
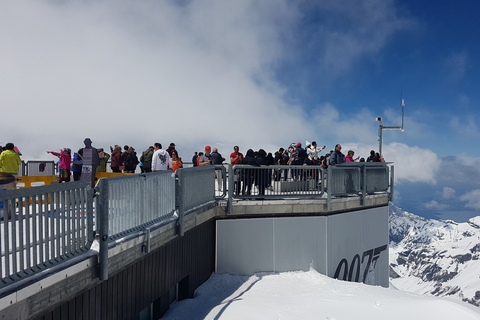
[132, 202]
[50, 224]
[44, 226]
[271, 182]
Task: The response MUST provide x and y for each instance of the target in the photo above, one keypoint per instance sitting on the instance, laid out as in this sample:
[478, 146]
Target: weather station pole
[382, 127]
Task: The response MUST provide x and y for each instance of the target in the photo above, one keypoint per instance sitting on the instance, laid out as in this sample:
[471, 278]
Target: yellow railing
[26, 181]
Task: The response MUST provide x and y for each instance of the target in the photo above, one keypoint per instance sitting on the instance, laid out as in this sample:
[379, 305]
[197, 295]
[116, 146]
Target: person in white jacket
[161, 159]
[313, 151]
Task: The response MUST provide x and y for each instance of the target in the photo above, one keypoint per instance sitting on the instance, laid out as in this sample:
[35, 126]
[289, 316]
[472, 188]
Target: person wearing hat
[205, 158]
[65, 162]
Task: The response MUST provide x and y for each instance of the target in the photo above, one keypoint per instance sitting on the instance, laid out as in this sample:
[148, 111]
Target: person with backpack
[130, 160]
[146, 159]
[77, 164]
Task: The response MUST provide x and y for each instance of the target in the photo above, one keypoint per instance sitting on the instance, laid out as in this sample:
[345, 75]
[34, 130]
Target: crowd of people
[295, 154]
[125, 160]
[155, 158]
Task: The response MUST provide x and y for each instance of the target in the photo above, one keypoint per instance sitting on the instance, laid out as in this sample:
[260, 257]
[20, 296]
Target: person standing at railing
[262, 174]
[337, 157]
[65, 163]
[349, 156]
[218, 160]
[146, 159]
[299, 174]
[176, 161]
[281, 159]
[77, 164]
[171, 148]
[235, 157]
[9, 163]
[373, 157]
[205, 158]
[200, 154]
[117, 160]
[103, 159]
[160, 159]
[248, 174]
[194, 159]
[313, 151]
[130, 160]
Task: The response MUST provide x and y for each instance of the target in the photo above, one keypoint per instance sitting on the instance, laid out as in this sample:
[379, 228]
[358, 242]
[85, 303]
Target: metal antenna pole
[382, 127]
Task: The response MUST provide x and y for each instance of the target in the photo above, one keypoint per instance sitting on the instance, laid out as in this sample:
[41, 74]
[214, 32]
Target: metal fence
[44, 226]
[271, 182]
[133, 202]
[358, 178]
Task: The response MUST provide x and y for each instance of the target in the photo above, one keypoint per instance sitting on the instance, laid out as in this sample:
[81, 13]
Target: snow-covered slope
[310, 295]
[433, 257]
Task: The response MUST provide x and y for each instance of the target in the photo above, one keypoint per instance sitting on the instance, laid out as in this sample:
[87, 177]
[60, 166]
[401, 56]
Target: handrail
[54, 223]
[36, 234]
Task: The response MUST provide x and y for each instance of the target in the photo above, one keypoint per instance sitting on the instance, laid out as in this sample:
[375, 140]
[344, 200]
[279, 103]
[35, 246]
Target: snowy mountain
[433, 257]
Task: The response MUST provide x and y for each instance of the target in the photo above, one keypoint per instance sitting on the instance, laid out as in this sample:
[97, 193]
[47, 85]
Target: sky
[254, 74]
[310, 295]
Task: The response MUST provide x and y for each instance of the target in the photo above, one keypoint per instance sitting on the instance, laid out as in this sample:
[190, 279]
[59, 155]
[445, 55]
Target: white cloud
[434, 205]
[412, 164]
[193, 73]
[472, 198]
[448, 193]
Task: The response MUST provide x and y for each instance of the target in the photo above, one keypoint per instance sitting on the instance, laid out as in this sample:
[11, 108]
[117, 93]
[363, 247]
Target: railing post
[329, 188]
[392, 179]
[231, 188]
[179, 201]
[102, 212]
[364, 183]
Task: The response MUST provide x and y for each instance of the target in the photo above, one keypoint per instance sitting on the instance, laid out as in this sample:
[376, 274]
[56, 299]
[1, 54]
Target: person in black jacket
[261, 177]
[300, 161]
[281, 159]
[248, 174]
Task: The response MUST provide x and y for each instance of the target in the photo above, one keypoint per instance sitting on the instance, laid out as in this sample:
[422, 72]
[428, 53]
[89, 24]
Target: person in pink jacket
[349, 156]
[65, 162]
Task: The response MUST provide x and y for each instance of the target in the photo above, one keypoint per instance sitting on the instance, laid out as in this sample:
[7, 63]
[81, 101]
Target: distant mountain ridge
[435, 257]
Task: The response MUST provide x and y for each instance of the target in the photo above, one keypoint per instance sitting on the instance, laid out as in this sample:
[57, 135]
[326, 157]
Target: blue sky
[260, 74]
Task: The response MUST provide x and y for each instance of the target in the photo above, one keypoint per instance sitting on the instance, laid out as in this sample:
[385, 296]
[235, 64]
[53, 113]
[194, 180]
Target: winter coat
[9, 161]
[65, 159]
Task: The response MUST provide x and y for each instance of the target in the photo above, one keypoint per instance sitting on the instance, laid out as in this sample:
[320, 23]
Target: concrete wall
[350, 246]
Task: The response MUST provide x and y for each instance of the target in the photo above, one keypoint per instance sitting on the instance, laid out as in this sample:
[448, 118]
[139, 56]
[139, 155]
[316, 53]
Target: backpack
[292, 153]
[326, 161]
[130, 159]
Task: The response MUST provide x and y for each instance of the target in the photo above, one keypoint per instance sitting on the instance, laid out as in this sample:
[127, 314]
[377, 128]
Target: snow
[310, 295]
[442, 256]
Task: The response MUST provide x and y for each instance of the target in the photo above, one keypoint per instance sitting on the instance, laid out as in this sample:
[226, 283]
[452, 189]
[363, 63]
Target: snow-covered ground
[310, 295]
